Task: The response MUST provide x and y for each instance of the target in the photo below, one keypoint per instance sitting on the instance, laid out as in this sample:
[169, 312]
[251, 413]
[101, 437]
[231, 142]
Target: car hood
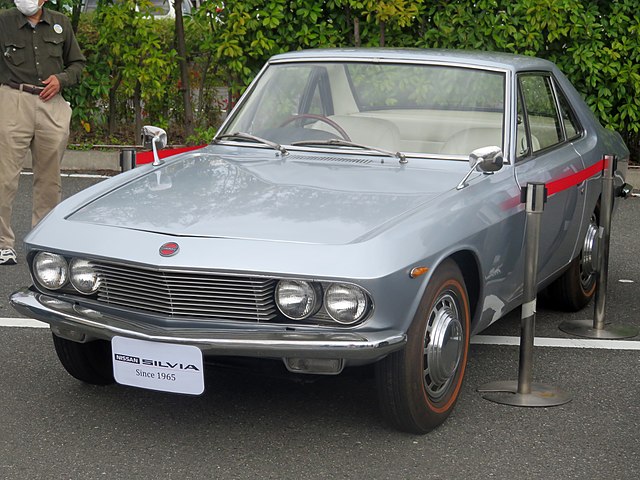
[296, 198]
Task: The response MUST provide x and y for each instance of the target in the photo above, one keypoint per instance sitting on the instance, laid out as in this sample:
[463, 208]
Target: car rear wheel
[419, 385]
[577, 285]
[89, 362]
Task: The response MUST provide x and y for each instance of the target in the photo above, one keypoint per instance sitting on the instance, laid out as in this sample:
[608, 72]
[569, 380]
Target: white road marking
[76, 175]
[476, 340]
[84, 175]
[559, 342]
[22, 323]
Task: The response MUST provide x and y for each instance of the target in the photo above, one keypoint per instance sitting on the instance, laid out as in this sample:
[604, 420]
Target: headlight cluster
[343, 302]
[53, 272]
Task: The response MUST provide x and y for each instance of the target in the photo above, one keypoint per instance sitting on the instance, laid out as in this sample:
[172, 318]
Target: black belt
[25, 87]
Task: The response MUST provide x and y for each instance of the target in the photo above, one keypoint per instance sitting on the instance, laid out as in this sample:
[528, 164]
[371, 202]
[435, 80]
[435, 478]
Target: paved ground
[265, 426]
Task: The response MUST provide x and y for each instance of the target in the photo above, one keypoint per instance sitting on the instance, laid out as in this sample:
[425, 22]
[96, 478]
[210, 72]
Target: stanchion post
[523, 392]
[598, 328]
[535, 200]
[127, 159]
[603, 262]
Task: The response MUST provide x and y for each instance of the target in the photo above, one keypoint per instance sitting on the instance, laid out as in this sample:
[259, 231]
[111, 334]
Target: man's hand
[51, 89]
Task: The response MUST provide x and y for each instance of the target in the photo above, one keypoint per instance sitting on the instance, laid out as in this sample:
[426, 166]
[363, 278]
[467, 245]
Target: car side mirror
[485, 159]
[154, 138]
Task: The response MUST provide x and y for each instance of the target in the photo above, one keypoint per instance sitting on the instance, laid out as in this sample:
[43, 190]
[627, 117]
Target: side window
[316, 106]
[293, 90]
[571, 126]
[317, 99]
[284, 99]
[545, 126]
[522, 139]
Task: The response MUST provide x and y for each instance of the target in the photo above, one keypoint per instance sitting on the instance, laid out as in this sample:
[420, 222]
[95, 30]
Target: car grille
[187, 294]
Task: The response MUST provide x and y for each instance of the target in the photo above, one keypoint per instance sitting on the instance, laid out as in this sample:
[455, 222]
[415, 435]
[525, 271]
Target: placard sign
[158, 366]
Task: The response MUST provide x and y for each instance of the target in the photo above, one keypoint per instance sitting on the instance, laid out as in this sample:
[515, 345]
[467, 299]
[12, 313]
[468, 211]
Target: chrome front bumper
[82, 324]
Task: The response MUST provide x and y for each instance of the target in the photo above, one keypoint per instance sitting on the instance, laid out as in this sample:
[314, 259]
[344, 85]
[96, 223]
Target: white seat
[466, 141]
[374, 132]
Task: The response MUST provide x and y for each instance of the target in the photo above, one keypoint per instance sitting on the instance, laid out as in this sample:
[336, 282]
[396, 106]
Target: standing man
[39, 56]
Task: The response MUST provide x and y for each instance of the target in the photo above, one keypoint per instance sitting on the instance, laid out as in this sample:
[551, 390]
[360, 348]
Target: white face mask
[27, 7]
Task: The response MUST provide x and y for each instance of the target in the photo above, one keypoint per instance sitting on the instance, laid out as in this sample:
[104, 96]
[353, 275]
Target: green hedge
[133, 62]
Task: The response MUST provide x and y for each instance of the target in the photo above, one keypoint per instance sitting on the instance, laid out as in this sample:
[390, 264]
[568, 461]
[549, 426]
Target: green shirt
[30, 55]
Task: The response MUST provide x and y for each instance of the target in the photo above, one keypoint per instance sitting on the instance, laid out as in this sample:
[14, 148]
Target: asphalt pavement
[264, 425]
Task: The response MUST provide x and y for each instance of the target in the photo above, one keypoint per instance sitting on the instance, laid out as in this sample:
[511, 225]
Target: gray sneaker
[8, 256]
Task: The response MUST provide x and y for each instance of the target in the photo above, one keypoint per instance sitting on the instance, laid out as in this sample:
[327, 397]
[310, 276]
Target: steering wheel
[320, 118]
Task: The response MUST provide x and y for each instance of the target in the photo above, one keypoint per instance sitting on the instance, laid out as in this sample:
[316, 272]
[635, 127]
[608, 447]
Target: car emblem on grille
[169, 249]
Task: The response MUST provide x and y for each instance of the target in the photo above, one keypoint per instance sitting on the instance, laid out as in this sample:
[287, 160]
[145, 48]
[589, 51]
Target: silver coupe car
[356, 207]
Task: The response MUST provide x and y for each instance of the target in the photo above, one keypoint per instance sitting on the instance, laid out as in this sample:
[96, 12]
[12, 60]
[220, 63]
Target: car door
[546, 126]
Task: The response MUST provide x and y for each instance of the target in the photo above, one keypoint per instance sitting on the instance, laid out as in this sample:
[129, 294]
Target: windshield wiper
[346, 143]
[253, 138]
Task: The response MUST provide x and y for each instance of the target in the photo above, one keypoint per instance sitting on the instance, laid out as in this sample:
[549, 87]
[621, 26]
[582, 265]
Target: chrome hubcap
[590, 254]
[444, 345]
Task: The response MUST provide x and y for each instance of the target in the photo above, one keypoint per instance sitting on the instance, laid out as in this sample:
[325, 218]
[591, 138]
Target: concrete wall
[87, 160]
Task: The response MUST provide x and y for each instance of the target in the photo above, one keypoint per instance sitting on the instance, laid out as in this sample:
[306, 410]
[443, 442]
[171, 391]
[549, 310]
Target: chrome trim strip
[67, 319]
[461, 63]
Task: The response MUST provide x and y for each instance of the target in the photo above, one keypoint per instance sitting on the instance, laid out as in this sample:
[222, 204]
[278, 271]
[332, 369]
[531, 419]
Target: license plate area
[165, 367]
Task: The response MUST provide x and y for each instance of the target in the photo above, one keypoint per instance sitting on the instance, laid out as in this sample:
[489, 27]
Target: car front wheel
[89, 362]
[419, 385]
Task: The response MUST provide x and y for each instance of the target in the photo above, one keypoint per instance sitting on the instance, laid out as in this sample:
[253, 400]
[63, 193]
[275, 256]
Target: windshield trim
[391, 60]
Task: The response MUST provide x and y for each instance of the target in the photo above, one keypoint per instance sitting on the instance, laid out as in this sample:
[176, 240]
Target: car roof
[494, 60]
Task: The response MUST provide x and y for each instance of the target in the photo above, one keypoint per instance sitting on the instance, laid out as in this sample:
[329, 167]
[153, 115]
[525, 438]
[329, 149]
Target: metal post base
[506, 393]
[585, 328]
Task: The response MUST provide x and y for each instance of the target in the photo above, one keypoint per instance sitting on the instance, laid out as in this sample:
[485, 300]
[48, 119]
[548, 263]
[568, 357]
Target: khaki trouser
[28, 123]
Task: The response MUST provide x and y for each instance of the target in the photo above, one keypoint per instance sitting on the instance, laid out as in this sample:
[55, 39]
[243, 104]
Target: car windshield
[420, 110]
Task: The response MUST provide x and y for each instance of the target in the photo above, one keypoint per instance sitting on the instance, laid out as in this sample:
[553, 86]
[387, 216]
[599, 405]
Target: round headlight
[298, 299]
[83, 276]
[51, 270]
[346, 303]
